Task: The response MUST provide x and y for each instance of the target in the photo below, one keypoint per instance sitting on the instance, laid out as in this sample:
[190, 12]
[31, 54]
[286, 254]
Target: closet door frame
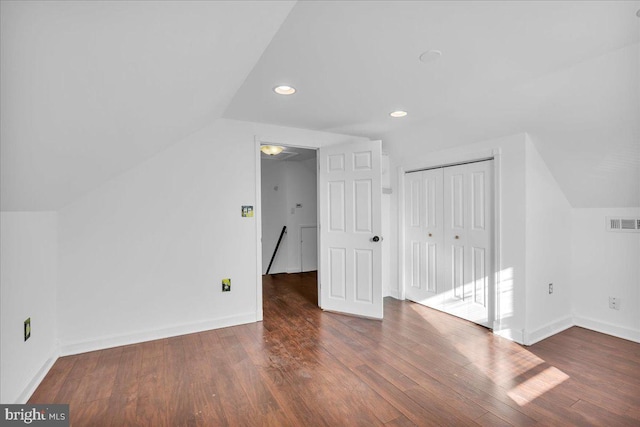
[443, 160]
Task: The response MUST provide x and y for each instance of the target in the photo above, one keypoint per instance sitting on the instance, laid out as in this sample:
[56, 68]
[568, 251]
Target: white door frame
[439, 160]
[258, 141]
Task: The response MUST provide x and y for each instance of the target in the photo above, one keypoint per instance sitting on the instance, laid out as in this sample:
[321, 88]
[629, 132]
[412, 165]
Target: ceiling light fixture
[430, 56]
[284, 90]
[271, 150]
[398, 113]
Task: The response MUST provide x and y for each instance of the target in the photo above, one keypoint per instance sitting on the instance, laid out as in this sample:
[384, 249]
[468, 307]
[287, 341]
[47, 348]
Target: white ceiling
[565, 72]
[91, 89]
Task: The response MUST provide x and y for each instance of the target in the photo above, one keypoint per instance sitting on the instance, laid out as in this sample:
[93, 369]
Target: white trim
[38, 377]
[257, 216]
[607, 328]
[318, 207]
[494, 312]
[68, 349]
[548, 330]
[400, 200]
[393, 294]
[258, 213]
[515, 335]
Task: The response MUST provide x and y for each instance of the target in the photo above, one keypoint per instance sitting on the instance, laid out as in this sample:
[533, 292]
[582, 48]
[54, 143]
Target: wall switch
[550, 288]
[27, 328]
[614, 303]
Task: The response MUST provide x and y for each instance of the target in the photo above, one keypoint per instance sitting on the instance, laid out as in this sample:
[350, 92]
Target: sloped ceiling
[565, 72]
[90, 89]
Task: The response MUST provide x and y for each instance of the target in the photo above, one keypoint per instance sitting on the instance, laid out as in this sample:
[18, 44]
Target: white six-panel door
[424, 236]
[350, 225]
[461, 237]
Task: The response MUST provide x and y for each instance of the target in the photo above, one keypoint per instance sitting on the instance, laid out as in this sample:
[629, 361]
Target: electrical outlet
[614, 303]
[27, 328]
[550, 288]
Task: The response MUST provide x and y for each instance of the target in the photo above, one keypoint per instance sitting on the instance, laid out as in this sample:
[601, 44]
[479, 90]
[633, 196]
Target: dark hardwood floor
[305, 367]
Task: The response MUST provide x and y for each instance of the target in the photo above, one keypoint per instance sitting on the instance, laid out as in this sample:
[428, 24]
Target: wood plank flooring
[305, 367]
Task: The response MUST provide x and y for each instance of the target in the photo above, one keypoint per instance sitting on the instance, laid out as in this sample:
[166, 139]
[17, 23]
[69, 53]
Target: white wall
[510, 155]
[548, 251]
[143, 256]
[605, 264]
[28, 279]
[302, 188]
[274, 215]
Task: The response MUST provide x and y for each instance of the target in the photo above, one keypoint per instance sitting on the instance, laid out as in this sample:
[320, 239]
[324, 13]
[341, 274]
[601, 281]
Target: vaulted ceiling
[90, 89]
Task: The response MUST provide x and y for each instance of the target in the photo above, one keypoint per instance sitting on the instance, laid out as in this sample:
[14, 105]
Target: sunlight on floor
[519, 373]
[536, 386]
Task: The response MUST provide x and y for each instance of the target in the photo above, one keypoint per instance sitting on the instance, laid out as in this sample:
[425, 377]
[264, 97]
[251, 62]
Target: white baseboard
[607, 328]
[67, 349]
[37, 379]
[516, 335]
[393, 293]
[548, 330]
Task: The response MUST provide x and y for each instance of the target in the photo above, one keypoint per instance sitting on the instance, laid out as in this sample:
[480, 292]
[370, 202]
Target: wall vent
[618, 224]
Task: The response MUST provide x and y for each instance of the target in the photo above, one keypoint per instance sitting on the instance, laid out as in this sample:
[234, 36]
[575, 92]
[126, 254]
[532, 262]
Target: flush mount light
[284, 90]
[430, 56]
[271, 150]
[398, 113]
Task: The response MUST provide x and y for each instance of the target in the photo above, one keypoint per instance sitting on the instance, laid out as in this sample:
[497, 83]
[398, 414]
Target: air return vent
[623, 224]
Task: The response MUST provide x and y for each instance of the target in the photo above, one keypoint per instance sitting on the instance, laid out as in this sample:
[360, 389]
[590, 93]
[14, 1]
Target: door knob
[376, 239]
[430, 234]
[457, 237]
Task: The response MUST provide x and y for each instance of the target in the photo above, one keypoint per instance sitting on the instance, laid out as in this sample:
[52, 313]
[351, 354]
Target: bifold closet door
[448, 239]
[424, 237]
[468, 213]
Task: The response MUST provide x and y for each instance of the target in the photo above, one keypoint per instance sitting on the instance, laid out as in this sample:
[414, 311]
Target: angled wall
[548, 251]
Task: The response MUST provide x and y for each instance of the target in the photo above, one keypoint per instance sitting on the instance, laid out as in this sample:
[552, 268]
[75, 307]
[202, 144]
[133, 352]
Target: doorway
[348, 203]
[289, 211]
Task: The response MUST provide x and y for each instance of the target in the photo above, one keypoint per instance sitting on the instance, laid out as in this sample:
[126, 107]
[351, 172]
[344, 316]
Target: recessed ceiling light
[430, 55]
[398, 113]
[284, 90]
